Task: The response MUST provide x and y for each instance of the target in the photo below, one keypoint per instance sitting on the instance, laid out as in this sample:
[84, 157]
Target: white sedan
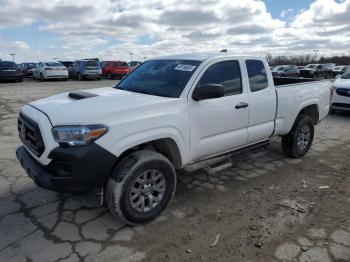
[50, 70]
[341, 94]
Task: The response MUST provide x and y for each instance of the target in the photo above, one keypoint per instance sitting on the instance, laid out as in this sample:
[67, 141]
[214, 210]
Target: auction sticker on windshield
[182, 67]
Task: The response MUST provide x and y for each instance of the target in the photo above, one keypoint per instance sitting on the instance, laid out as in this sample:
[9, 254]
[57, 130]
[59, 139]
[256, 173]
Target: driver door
[219, 125]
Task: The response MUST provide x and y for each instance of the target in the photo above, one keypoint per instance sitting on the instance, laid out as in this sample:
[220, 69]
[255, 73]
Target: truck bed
[282, 81]
[298, 93]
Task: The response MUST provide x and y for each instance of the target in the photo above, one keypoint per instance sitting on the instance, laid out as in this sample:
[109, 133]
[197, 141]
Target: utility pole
[316, 52]
[13, 56]
[130, 56]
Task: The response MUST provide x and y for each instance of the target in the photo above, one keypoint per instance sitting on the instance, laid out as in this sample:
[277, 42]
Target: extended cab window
[160, 77]
[257, 75]
[225, 73]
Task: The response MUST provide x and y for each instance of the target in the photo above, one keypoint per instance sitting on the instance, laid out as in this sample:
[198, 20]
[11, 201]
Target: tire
[299, 140]
[65, 79]
[124, 182]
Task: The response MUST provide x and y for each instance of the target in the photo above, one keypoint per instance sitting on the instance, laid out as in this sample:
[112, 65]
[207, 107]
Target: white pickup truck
[127, 141]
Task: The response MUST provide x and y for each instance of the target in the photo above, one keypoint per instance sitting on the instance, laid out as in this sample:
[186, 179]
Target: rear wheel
[299, 140]
[141, 187]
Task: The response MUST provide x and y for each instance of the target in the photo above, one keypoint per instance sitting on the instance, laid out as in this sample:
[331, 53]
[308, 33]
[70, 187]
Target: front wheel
[141, 187]
[299, 140]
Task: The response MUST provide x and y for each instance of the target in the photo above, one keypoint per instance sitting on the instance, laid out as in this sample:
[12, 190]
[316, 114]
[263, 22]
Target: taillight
[331, 90]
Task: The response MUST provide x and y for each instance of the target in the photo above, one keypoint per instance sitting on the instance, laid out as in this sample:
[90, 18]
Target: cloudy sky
[111, 29]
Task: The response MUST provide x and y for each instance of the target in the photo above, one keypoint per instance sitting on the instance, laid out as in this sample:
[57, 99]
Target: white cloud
[108, 28]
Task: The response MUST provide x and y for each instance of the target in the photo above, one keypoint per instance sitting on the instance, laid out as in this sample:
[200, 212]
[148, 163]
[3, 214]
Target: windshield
[346, 75]
[6, 64]
[311, 66]
[279, 68]
[91, 63]
[53, 64]
[160, 77]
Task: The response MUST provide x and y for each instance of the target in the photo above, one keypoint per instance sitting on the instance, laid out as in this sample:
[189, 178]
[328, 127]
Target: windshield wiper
[142, 91]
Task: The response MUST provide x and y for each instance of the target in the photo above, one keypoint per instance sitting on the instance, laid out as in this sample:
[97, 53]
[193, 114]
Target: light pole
[316, 52]
[13, 56]
[130, 56]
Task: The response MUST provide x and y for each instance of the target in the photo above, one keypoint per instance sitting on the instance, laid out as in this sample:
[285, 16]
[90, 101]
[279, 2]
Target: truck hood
[105, 103]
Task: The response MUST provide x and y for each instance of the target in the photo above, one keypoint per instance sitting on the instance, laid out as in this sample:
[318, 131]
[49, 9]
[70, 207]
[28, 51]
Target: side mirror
[208, 91]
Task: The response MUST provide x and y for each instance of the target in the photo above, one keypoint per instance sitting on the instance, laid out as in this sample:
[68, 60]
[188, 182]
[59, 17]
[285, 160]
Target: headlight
[78, 135]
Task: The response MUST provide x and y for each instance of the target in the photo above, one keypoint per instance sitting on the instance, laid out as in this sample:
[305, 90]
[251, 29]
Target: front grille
[343, 92]
[30, 134]
[341, 105]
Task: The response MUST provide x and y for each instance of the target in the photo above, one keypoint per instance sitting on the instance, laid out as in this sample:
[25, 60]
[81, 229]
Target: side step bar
[223, 161]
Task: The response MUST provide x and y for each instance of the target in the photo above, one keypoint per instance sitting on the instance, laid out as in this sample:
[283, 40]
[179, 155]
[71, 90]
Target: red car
[112, 69]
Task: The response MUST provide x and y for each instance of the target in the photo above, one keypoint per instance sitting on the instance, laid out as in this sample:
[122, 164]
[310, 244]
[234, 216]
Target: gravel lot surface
[256, 206]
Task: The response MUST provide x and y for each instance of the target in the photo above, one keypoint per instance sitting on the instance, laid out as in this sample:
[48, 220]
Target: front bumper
[72, 169]
[307, 74]
[341, 106]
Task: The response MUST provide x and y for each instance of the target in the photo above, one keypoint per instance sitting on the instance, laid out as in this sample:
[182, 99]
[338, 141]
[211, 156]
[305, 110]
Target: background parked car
[285, 70]
[9, 71]
[341, 93]
[85, 69]
[113, 69]
[339, 70]
[317, 70]
[50, 70]
[133, 64]
[27, 69]
[301, 67]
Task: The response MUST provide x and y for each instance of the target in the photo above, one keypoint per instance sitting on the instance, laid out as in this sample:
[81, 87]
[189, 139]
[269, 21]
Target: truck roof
[204, 56]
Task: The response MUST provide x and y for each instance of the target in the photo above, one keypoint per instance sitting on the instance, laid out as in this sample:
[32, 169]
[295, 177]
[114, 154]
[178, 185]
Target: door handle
[241, 105]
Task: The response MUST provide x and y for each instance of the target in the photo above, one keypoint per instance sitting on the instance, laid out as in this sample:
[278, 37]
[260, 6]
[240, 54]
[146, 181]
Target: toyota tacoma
[126, 142]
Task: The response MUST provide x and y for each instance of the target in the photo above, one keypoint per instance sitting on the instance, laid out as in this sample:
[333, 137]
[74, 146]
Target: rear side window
[120, 63]
[225, 73]
[257, 75]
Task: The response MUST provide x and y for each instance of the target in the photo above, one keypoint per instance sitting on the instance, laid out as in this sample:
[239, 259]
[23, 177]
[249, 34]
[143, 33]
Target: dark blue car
[85, 69]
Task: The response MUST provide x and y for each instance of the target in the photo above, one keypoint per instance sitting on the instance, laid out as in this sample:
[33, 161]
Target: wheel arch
[311, 111]
[166, 146]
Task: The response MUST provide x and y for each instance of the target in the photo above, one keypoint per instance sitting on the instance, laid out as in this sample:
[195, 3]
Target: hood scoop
[81, 95]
